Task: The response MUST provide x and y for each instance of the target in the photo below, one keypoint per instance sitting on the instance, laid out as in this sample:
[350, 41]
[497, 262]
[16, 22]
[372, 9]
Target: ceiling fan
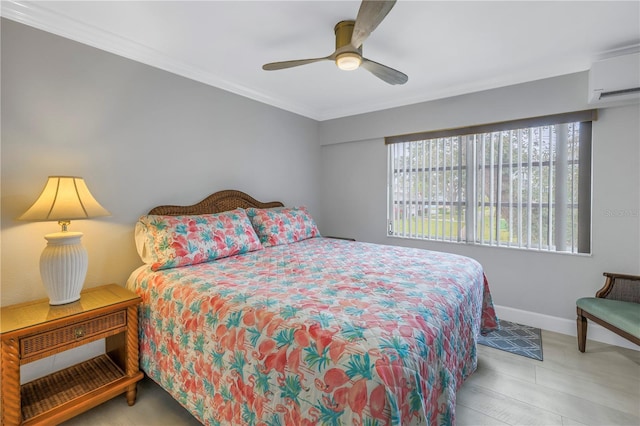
[349, 38]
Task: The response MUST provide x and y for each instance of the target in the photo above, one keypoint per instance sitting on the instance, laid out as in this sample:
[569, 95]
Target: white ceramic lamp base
[63, 267]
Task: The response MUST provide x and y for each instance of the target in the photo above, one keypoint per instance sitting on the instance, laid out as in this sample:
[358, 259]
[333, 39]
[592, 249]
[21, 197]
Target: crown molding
[37, 16]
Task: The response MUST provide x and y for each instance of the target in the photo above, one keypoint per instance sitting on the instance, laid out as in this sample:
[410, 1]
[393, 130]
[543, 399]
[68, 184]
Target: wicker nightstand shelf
[34, 330]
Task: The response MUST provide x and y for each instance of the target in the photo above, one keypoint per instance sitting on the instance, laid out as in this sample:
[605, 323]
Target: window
[522, 184]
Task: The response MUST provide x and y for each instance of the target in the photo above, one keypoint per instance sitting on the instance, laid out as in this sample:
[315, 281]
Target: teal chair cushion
[623, 315]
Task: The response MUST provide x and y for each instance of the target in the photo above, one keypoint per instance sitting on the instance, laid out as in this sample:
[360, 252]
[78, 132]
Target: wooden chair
[615, 307]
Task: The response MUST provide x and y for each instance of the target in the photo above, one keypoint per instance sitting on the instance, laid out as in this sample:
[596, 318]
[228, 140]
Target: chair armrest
[620, 287]
[623, 276]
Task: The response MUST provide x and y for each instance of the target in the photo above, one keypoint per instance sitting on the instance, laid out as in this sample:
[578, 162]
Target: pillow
[171, 241]
[282, 225]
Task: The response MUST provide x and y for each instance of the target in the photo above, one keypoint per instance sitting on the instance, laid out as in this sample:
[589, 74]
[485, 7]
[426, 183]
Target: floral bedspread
[321, 331]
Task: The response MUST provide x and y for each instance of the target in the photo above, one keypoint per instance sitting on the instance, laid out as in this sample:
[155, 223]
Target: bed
[300, 329]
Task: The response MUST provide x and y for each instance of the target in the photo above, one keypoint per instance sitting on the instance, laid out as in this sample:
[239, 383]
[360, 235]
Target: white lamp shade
[64, 198]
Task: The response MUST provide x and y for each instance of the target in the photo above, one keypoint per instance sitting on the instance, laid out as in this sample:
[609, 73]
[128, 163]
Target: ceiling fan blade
[370, 15]
[384, 73]
[296, 63]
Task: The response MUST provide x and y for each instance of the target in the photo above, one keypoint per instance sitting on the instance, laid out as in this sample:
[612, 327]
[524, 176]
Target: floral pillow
[282, 225]
[171, 241]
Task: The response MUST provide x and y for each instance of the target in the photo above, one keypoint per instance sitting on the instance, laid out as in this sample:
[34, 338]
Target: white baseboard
[563, 326]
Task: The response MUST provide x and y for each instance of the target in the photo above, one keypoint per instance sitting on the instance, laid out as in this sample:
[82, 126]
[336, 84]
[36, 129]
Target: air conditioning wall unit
[615, 81]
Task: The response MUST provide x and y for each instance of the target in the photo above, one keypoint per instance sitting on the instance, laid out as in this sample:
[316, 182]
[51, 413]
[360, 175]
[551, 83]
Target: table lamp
[64, 261]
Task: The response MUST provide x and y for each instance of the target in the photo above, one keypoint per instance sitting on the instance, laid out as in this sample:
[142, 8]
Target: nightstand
[35, 330]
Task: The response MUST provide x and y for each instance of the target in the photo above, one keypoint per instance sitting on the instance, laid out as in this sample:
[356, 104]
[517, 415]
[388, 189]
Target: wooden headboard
[217, 202]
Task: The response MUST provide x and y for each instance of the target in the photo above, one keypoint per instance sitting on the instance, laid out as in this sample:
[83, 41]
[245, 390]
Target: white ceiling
[446, 48]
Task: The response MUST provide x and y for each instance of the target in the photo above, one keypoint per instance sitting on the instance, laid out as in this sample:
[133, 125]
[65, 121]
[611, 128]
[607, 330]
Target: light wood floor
[599, 387]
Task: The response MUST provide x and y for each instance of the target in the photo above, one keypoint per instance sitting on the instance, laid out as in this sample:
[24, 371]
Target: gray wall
[140, 137]
[537, 285]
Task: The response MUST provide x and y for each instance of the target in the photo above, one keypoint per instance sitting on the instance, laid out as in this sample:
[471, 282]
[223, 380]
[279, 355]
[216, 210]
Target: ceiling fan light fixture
[348, 61]
[350, 35]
